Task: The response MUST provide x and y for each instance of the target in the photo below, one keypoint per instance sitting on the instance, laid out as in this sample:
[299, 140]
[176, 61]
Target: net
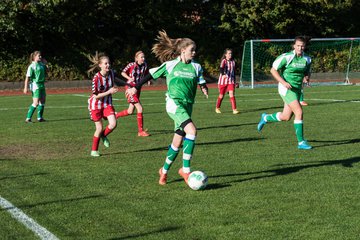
[333, 59]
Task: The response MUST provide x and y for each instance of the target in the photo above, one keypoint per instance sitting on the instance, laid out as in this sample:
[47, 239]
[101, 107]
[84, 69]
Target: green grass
[260, 185]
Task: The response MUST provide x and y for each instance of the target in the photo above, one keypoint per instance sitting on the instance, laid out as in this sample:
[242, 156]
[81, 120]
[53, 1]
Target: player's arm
[108, 92]
[137, 87]
[96, 93]
[275, 73]
[278, 64]
[202, 83]
[125, 75]
[26, 84]
[306, 79]
[222, 69]
[204, 89]
[120, 82]
[29, 73]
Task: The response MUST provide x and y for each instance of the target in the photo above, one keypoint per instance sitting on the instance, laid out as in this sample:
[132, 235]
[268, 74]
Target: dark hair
[304, 39]
[225, 51]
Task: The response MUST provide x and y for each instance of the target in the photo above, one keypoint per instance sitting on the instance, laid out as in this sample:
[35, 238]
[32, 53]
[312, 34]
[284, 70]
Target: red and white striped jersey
[136, 71]
[101, 84]
[227, 72]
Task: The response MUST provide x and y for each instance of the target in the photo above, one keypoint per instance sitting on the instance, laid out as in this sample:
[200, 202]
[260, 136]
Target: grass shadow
[335, 142]
[287, 170]
[226, 126]
[332, 102]
[165, 148]
[65, 119]
[140, 235]
[158, 132]
[60, 201]
[23, 175]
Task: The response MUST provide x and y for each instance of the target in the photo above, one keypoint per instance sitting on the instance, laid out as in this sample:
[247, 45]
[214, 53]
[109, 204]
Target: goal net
[334, 60]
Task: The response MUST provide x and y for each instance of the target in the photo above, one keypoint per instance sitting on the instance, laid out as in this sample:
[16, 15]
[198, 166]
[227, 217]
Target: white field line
[247, 94]
[21, 217]
[87, 96]
[198, 102]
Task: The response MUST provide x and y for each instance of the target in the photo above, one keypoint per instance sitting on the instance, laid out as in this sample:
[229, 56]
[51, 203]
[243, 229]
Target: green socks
[272, 117]
[30, 111]
[188, 149]
[170, 157]
[299, 130]
[40, 111]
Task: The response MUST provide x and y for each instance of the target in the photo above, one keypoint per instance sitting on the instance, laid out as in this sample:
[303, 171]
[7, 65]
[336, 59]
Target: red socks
[95, 145]
[218, 102]
[233, 103]
[107, 131]
[140, 121]
[123, 113]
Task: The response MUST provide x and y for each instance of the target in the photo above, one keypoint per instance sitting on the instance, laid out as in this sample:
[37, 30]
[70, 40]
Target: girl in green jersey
[182, 77]
[291, 70]
[35, 79]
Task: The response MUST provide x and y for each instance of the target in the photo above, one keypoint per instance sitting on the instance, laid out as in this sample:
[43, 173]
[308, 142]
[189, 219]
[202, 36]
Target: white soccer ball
[197, 180]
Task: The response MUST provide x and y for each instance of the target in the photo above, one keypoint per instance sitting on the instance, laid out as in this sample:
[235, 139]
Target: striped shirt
[101, 84]
[227, 72]
[136, 71]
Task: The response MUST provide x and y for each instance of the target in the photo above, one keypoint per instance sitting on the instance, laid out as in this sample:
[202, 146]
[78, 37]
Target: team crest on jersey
[184, 74]
[298, 65]
[102, 88]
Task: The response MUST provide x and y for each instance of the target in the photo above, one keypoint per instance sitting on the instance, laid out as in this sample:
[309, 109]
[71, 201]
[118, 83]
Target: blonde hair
[96, 60]
[33, 54]
[167, 48]
[137, 54]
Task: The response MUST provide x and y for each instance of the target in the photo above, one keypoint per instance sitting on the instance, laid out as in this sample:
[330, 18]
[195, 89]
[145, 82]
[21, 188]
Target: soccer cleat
[41, 120]
[185, 176]
[304, 145]
[143, 134]
[235, 111]
[95, 154]
[262, 122]
[163, 177]
[106, 141]
[303, 103]
[217, 110]
[28, 120]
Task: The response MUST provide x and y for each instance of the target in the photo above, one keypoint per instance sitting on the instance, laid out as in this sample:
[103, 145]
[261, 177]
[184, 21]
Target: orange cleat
[143, 134]
[163, 177]
[185, 176]
[303, 103]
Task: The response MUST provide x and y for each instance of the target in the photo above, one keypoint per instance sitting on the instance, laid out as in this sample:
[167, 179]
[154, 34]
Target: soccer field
[260, 185]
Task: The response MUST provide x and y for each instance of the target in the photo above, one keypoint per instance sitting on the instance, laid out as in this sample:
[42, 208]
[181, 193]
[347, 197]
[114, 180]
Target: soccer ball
[197, 180]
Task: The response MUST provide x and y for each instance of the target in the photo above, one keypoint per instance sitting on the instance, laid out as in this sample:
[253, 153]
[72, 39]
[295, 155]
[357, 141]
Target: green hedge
[15, 70]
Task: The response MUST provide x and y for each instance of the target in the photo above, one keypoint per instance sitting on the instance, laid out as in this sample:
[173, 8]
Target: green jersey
[37, 73]
[181, 78]
[293, 68]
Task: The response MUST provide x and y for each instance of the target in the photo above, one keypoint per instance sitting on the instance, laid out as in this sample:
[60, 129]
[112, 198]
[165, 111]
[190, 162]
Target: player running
[133, 72]
[100, 101]
[182, 77]
[291, 70]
